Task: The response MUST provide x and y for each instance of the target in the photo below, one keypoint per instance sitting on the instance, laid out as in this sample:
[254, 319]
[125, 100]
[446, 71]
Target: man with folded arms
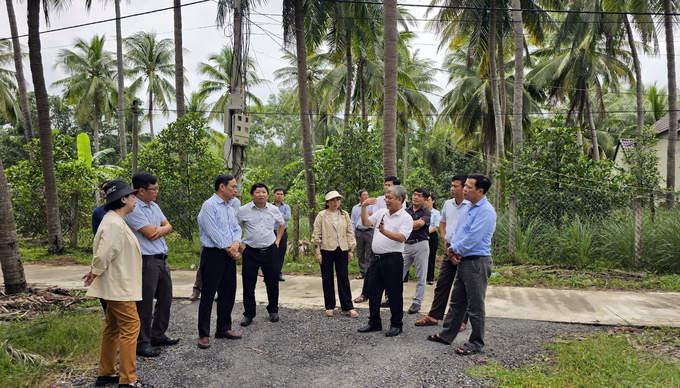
[260, 250]
[471, 251]
[149, 225]
[220, 236]
[454, 209]
[392, 226]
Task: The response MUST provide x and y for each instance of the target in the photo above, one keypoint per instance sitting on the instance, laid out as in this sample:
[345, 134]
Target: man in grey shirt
[260, 250]
[149, 224]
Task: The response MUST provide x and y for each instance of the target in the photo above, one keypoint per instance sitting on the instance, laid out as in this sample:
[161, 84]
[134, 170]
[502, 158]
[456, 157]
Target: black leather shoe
[167, 341]
[104, 380]
[136, 384]
[369, 328]
[274, 317]
[281, 279]
[246, 321]
[149, 351]
[393, 332]
[385, 303]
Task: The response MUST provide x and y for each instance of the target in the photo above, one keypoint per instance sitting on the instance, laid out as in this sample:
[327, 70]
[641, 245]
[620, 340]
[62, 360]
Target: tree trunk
[405, 153]
[95, 127]
[19, 67]
[153, 137]
[593, 131]
[493, 79]
[489, 141]
[74, 221]
[638, 77]
[121, 84]
[179, 59]
[54, 239]
[307, 151]
[390, 92]
[517, 110]
[672, 105]
[10, 256]
[348, 87]
[362, 92]
[503, 101]
[135, 135]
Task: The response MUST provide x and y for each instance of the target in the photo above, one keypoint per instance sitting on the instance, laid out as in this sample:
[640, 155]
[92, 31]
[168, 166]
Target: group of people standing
[129, 267]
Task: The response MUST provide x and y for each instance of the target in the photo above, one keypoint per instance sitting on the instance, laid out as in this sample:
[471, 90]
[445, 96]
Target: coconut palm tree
[19, 69]
[90, 85]
[151, 61]
[390, 38]
[54, 238]
[218, 71]
[668, 21]
[8, 86]
[10, 256]
[179, 58]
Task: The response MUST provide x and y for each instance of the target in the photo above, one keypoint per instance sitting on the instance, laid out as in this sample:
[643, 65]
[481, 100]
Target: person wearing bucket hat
[116, 276]
[334, 239]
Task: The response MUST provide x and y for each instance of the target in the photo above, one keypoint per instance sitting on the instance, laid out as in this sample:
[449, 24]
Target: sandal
[351, 313]
[466, 350]
[361, 299]
[462, 327]
[427, 321]
[329, 313]
[437, 338]
[359, 277]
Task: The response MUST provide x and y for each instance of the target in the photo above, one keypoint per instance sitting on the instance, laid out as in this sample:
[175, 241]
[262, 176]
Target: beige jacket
[117, 262]
[326, 236]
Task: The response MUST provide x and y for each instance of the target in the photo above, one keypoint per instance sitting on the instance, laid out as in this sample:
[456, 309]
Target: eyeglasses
[154, 189]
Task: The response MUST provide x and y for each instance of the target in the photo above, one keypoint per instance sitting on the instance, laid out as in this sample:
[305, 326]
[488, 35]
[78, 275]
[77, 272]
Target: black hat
[117, 189]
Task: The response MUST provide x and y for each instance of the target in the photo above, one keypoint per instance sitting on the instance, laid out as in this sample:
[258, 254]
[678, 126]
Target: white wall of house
[661, 149]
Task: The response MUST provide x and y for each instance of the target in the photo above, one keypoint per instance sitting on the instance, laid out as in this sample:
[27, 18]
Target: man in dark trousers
[471, 251]
[392, 226]
[220, 237]
[260, 250]
[150, 225]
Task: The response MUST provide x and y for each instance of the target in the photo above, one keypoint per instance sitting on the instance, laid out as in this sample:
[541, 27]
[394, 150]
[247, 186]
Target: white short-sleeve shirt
[399, 222]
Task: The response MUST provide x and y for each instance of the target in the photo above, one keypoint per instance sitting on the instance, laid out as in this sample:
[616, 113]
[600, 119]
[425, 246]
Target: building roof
[624, 145]
[662, 125]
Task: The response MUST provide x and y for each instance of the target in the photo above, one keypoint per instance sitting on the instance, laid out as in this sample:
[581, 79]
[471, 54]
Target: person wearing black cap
[116, 276]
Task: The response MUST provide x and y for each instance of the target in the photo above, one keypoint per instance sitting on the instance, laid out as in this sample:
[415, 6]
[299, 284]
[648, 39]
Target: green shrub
[574, 243]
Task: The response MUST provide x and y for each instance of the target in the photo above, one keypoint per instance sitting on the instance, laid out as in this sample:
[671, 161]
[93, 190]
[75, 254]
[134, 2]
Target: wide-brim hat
[118, 189]
[332, 194]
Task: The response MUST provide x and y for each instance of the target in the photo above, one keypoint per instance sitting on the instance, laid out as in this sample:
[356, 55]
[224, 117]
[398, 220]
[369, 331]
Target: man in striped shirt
[220, 236]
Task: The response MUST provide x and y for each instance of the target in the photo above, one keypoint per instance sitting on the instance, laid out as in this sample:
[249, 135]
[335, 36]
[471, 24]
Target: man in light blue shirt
[220, 236]
[149, 225]
[471, 250]
[363, 234]
[279, 193]
[235, 203]
[260, 248]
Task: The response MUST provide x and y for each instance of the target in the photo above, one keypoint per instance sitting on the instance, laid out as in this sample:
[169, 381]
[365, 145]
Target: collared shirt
[97, 217]
[356, 217]
[145, 215]
[451, 214]
[422, 214]
[285, 212]
[435, 217]
[399, 222]
[217, 225]
[380, 204]
[258, 225]
[235, 203]
[474, 232]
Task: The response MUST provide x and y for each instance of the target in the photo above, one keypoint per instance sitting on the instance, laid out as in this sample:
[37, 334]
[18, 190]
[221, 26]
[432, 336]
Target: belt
[473, 257]
[261, 250]
[160, 256]
[416, 240]
[380, 256]
[364, 229]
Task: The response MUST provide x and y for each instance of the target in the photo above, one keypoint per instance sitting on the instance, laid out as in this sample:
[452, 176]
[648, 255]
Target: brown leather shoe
[427, 321]
[229, 334]
[194, 295]
[204, 342]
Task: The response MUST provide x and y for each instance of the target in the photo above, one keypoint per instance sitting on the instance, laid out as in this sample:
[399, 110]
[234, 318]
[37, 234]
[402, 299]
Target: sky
[201, 38]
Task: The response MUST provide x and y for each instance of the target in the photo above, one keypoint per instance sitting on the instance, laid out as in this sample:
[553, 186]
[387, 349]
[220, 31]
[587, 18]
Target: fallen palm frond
[23, 356]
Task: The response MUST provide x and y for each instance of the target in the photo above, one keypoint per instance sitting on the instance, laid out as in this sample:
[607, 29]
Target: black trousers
[338, 258]
[386, 275]
[253, 260]
[283, 246]
[434, 244]
[447, 273]
[218, 271]
[156, 284]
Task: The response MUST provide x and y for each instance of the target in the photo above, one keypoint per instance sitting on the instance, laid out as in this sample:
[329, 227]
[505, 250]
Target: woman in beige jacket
[116, 277]
[334, 240]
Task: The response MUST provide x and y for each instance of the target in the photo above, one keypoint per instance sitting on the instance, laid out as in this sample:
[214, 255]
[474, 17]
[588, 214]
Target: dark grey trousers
[469, 293]
[364, 239]
[156, 284]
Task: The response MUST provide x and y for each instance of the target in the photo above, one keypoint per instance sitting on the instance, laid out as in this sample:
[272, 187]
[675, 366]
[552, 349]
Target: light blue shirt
[285, 212]
[217, 226]
[258, 225]
[435, 217]
[356, 217]
[145, 215]
[475, 229]
[235, 203]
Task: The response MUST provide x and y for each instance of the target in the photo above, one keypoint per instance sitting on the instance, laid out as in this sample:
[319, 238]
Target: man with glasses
[149, 225]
